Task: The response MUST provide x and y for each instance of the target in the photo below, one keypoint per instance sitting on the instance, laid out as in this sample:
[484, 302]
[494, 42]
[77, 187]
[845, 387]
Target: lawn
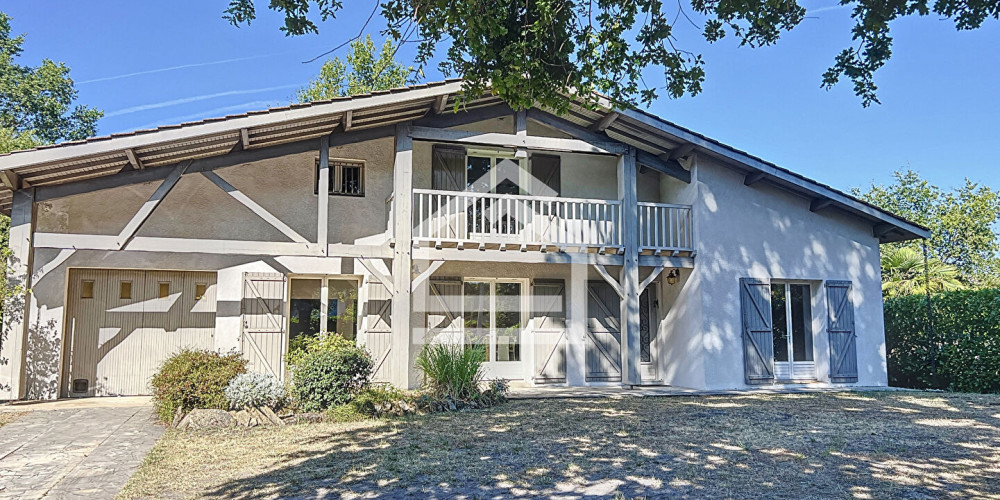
[860, 445]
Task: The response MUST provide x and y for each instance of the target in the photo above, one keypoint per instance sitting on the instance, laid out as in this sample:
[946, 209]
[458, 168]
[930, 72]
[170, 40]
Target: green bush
[451, 371]
[964, 347]
[329, 373]
[194, 379]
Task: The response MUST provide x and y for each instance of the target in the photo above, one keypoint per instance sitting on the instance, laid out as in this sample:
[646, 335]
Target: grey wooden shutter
[378, 328]
[546, 176]
[604, 338]
[444, 311]
[758, 341]
[263, 313]
[548, 315]
[448, 168]
[840, 328]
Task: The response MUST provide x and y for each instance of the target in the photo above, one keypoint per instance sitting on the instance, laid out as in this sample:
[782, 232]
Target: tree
[36, 107]
[961, 222]
[905, 273]
[363, 72]
[536, 51]
[36, 103]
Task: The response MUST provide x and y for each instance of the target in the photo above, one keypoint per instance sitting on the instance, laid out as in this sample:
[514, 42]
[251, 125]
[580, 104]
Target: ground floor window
[494, 317]
[322, 305]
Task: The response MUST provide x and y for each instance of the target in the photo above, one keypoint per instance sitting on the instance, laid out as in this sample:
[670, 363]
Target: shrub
[451, 371]
[194, 379]
[382, 400]
[255, 390]
[330, 373]
[964, 346]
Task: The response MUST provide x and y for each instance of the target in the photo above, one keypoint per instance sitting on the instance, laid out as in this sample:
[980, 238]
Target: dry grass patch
[7, 417]
[848, 445]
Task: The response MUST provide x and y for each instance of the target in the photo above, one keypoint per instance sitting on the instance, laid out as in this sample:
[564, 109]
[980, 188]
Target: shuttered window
[546, 177]
[840, 328]
[448, 168]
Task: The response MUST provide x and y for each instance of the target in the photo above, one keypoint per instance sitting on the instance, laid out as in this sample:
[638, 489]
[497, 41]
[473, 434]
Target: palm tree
[903, 273]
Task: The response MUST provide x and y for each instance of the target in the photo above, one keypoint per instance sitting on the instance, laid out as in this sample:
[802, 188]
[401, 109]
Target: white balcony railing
[451, 217]
[665, 228]
[487, 218]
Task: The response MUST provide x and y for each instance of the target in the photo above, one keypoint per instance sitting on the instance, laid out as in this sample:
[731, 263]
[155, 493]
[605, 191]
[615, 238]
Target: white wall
[764, 232]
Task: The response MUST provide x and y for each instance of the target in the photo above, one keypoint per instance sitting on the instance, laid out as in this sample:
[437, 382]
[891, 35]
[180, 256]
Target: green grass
[857, 445]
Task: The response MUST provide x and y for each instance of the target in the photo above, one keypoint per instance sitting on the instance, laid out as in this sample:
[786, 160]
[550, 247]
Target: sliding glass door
[494, 315]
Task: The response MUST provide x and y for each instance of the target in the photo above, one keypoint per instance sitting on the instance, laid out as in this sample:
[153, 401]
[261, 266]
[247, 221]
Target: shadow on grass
[849, 444]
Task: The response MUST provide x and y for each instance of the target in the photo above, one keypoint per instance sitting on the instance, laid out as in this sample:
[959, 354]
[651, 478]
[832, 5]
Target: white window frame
[506, 369]
[804, 366]
[324, 299]
[524, 176]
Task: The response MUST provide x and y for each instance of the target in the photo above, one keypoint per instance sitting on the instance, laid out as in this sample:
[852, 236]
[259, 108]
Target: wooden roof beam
[820, 204]
[439, 104]
[680, 151]
[605, 122]
[753, 178]
[245, 138]
[133, 159]
[348, 119]
[10, 179]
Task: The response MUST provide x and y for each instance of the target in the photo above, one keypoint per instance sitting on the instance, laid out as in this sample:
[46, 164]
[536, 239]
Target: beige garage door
[122, 324]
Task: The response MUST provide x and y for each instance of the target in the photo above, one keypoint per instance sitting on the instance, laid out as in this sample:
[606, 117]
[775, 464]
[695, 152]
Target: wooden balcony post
[629, 278]
[402, 258]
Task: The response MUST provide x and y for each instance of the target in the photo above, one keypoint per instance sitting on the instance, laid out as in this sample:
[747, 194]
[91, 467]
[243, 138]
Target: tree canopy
[961, 222]
[534, 52]
[364, 71]
[36, 103]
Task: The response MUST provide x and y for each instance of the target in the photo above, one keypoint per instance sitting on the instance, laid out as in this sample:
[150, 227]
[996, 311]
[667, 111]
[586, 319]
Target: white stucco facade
[739, 230]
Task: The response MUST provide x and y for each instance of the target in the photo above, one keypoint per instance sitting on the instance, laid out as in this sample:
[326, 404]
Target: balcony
[451, 219]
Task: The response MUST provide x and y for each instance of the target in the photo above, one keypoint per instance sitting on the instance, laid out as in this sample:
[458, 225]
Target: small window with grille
[347, 177]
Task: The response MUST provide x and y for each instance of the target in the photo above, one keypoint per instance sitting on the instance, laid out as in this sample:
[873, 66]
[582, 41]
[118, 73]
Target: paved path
[85, 452]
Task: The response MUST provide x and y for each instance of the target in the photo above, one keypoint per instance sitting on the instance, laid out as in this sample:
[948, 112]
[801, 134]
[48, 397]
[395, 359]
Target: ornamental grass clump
[452, 371]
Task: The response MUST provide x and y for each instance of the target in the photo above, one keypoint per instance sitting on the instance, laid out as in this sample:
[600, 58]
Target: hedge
[963, 352]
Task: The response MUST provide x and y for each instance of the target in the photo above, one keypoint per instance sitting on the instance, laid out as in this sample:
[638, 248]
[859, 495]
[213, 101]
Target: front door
[647, 332]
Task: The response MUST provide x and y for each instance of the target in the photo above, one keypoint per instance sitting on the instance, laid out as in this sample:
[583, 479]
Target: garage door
[122, 324]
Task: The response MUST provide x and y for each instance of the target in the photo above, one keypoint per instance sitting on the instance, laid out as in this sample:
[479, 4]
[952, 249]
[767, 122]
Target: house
[596, 247]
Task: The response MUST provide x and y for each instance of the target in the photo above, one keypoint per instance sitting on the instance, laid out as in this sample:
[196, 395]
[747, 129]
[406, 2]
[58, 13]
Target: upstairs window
[347, 177]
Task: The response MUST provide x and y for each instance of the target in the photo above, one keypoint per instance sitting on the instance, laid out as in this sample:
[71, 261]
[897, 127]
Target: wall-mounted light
[672, 277]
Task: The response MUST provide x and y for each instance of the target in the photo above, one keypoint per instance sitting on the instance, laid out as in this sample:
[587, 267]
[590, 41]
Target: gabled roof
[112, 154]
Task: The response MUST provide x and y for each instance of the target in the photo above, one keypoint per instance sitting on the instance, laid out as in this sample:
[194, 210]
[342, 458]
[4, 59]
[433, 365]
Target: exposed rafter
[348, 118]
[753, 178]
[819, 204]
[133, 159]
[440, 103]
[680, 151]
[605, 122]
[10, 179]
[245, 138]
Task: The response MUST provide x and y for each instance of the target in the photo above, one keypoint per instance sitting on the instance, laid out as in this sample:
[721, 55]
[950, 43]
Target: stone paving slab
[74, 453]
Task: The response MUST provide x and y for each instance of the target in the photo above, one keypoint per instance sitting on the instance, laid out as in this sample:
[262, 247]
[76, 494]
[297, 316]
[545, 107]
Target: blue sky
[153, 63]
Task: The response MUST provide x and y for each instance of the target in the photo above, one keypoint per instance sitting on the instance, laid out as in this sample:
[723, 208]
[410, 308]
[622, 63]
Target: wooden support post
[629, 279]
[16, 311]
[323, 226]
[402, 261]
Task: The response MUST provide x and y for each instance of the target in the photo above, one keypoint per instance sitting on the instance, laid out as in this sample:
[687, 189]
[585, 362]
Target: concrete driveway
[75, 449]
